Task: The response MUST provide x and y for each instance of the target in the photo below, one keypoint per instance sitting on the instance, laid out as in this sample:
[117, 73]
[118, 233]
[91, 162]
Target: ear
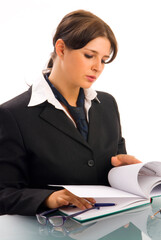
[59, 47]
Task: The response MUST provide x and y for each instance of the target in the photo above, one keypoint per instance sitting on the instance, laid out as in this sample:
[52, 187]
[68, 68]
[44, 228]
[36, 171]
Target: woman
[61, 131]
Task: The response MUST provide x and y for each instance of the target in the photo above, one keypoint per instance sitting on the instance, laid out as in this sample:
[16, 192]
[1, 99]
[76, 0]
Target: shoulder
[17, 102]
[105, 97]
[16, 106]
[107, 102]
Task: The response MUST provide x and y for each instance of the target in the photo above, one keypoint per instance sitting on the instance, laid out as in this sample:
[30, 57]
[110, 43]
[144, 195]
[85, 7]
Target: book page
[156, 191]
[150, 178]
[136, 178]
[152, 169]
[126, 178]
[147, 183]
[96, 191]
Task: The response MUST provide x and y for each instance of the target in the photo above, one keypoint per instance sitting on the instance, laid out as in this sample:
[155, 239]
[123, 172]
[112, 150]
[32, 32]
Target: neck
[69, 92]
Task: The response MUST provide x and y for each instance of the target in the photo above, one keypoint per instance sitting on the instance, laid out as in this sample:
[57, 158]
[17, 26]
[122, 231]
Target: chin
[88, 85]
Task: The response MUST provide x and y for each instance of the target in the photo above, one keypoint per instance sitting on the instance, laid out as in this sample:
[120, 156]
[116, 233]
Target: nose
[97, 66]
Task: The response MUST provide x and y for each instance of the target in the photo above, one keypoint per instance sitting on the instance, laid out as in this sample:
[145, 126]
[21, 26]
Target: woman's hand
[123, 159]
[64, 197]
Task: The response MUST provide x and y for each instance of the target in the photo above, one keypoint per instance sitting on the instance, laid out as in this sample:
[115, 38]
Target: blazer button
[90, 163]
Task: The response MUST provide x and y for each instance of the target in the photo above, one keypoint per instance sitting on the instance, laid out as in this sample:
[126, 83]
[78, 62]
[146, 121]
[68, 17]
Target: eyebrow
[107, 56]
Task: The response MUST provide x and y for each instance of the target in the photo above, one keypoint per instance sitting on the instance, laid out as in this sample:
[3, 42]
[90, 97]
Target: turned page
[138, 178]
[150, 177]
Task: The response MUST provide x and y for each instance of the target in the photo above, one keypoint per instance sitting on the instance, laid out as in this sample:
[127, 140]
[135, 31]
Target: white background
[26, 30]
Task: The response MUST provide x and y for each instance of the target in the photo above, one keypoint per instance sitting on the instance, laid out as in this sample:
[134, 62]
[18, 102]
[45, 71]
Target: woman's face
[83, 66]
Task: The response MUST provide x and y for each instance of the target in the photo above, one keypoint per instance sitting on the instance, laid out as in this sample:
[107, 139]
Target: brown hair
[78, 28]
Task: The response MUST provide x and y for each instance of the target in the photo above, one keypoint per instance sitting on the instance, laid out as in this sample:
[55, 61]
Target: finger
[78, 201]
[82, 203]
[115, 161]
[123, 159]
[91, 200]
[65, 198]
[127, 159]
[62, 201]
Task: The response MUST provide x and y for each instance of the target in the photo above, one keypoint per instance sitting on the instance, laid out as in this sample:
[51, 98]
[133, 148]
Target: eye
[88, 56]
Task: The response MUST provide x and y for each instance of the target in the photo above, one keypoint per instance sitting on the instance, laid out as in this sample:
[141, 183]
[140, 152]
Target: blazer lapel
[61, 121]
[94, 125]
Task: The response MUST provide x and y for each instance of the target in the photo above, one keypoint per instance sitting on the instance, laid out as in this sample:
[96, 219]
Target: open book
[131, 186]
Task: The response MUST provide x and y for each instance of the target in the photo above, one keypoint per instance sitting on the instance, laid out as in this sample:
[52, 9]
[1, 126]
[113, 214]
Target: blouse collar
[42, 92]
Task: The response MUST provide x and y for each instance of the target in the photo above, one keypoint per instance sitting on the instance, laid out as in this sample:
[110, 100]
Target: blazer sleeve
[121, 142]
[16, 197]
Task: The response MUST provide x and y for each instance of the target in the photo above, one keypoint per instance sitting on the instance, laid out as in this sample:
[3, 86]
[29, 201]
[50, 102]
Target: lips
[91, 78]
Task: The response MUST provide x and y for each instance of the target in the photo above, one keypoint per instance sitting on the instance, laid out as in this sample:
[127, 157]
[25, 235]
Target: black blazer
[40, 145]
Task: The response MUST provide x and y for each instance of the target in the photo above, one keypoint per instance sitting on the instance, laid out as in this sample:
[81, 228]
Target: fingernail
[89, 205]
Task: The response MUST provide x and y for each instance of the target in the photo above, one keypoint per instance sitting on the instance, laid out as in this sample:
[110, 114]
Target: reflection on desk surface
[131, 225]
